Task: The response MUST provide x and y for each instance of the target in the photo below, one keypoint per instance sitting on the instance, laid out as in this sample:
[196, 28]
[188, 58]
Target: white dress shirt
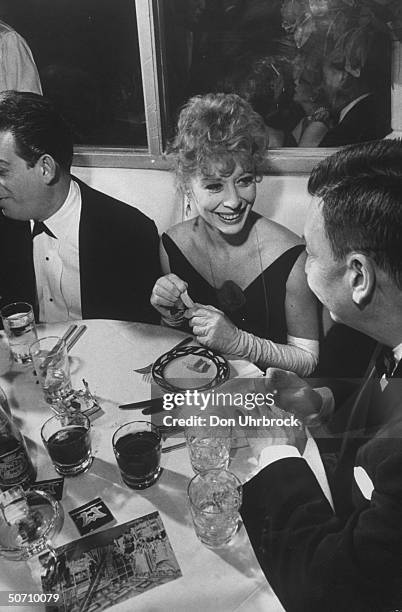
[397, 353]
[57, 265]
[275, 452]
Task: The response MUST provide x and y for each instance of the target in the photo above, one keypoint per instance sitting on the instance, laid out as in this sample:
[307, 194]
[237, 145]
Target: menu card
[100, 570]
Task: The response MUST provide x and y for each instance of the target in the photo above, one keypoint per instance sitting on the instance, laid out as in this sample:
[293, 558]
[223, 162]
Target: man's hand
[291, 393]
[260, 436]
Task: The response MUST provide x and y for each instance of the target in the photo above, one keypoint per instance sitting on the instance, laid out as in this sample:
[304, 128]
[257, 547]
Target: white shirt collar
[58, 223]
[349, 106]
[397, 352]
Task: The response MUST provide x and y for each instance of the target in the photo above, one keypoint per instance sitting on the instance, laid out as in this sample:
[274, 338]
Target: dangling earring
[187, 202]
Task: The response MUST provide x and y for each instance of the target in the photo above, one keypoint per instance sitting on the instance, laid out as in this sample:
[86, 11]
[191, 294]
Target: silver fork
[147, 370]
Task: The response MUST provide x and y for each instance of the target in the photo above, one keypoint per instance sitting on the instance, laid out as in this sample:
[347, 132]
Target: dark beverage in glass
[68, 443]
[137, 447]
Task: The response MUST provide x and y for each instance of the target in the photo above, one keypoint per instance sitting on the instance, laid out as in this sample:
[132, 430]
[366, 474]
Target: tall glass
[208, 448]
[215, 498]
[19, 326]
[137, 447]
[50, 359]
[67, 440]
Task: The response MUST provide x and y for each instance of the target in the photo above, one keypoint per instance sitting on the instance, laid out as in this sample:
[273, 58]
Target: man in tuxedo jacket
[70, 251]
[347, 557]
[357, 97]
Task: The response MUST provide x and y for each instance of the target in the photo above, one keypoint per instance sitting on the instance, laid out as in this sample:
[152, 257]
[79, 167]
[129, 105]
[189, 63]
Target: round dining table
[106, 356]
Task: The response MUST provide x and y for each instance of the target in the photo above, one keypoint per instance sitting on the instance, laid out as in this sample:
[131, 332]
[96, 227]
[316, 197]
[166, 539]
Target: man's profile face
[326, 276]
[21, 187]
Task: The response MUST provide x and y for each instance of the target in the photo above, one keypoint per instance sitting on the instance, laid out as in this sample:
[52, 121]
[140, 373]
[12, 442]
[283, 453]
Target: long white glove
[299, 355]
[215, 330]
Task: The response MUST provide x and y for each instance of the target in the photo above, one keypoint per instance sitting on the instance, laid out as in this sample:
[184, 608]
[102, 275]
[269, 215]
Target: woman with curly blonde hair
[235, 276]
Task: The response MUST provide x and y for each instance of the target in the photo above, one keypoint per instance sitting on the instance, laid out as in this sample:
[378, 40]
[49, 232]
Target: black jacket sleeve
[316, 560]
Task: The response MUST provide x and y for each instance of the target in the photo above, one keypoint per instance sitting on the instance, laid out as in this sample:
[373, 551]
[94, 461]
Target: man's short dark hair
[37, 127]
[361, 192]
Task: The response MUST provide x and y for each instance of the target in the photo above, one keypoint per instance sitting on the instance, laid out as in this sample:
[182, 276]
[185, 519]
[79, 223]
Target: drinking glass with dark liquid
[67, 440]
[137, 447]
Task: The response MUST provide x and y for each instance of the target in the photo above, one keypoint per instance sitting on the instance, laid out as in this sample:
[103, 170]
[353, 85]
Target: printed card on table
[91, 516]
[53, 486]
[110, 566]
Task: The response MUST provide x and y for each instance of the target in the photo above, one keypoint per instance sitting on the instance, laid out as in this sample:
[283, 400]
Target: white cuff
[270, 454]
[311, 346]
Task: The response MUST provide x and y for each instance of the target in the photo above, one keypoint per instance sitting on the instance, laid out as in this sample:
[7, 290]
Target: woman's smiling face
[224, 202]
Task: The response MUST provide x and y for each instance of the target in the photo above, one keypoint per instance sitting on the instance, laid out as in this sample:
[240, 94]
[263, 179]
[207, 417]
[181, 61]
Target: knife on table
[149, 406]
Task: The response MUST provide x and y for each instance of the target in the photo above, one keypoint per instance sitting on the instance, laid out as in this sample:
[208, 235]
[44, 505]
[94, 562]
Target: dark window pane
[318, 71]
[87, 55]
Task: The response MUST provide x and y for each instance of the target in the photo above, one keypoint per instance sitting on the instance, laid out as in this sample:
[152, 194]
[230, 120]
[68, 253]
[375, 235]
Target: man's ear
[361, 278]
[47, 167]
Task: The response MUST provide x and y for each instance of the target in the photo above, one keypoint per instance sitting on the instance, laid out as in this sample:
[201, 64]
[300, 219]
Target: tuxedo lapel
[372, 410]
[119, 262]
[92, 249]
[390, 399]
[82, 247]
[354, 435]
[358, 413]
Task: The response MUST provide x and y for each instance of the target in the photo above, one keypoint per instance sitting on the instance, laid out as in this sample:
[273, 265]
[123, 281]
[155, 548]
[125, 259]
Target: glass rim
[59, 417]
[148, 423]
[30, 308]
[56, 338]
[239, 487]
[205, 433]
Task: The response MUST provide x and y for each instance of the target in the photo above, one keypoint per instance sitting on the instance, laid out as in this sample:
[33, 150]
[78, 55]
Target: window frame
[291, 161]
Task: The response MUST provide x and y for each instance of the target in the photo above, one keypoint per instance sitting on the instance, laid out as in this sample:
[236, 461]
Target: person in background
[17, 66]
[245, 272]
[353, 99]
[70, 251]
[345, 556]
[263, 81]
[309, 94]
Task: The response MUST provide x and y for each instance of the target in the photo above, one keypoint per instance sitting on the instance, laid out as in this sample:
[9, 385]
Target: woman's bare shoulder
[277, 236]
[182, 233]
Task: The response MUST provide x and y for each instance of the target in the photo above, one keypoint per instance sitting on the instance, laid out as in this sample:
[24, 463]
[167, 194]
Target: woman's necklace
[230, 297]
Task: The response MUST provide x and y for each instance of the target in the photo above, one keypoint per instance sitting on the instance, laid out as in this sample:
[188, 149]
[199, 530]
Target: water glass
[67, 440]
[208, 448]
[50, 359]
[19, 326]
[137, 447]
[215, 497]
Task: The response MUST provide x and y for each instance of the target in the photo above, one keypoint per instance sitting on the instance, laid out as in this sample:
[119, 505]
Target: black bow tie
[386, 363]
[40, 227]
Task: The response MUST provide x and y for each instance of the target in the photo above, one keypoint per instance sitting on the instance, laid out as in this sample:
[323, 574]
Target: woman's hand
[212, 328]
[166, 296]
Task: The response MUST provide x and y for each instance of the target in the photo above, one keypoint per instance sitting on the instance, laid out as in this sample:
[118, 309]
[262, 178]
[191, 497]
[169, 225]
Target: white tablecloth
[226, 580]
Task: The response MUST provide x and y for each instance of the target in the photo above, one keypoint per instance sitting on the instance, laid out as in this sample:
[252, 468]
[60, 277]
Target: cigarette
[186, 299]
